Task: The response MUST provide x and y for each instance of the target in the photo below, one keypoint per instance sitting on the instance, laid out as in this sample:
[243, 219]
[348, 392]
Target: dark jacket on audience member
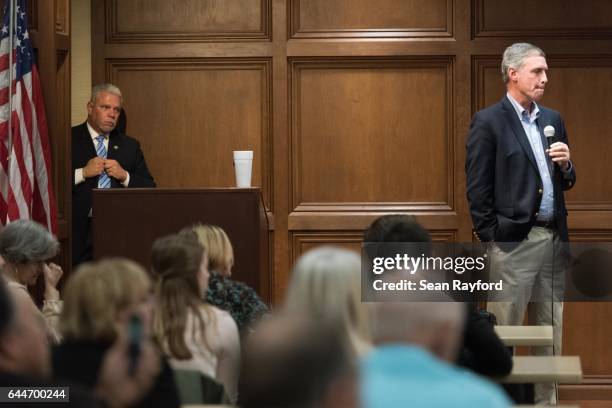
[236, 298]
[483, 351]
[80, 361]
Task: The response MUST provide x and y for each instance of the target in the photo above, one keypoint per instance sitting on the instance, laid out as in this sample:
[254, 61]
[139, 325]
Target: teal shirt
[396, 376]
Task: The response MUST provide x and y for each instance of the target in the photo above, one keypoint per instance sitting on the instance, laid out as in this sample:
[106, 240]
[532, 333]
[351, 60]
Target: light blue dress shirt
[528, 120]
[401, 375]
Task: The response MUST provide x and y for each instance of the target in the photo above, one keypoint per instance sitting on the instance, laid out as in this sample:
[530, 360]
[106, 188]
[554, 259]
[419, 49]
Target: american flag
[25, 179]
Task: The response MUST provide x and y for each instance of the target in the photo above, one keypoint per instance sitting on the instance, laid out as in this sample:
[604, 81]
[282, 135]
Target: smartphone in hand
[135, 341]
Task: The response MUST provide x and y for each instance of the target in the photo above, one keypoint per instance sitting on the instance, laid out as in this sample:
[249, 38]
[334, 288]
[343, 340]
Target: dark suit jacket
[504, 187]
[122, 148]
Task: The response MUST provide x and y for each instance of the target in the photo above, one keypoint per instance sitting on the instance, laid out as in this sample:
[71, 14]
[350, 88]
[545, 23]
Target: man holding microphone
[516, 176]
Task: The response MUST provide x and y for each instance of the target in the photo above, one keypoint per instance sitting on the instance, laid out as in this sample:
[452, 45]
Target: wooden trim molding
[114, 35]
[297, 32]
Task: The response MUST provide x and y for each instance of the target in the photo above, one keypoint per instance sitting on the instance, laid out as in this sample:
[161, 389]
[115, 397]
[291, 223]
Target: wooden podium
[126, 222]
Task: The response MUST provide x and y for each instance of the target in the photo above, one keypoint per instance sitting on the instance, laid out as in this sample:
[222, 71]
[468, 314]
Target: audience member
[293, 361]
[482, 350]
[23, 346]
[193, 334]
[415, 341]
[25, 361]
[326, 284]
[99, 298]
[25, 247]
[241, 301]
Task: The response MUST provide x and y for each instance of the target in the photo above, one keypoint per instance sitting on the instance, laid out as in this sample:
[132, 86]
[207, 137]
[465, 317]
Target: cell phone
[135, 341]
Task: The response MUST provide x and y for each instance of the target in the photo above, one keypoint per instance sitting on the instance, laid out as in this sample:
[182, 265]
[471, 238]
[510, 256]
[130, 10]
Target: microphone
[549, 132]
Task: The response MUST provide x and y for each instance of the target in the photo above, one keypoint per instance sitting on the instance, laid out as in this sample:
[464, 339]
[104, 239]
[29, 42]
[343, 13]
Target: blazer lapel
[518, 131]
[114, 146]
[85, 141]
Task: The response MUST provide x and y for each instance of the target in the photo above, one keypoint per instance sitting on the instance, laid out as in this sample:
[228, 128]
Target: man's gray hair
[110, 88]
[25, 241]
[515, 55]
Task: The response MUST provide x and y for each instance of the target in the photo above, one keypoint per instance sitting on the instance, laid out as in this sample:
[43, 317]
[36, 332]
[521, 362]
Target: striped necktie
[104, 180]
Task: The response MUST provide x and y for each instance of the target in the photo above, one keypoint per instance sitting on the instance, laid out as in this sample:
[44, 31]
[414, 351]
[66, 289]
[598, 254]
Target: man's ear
[512, 74]
[90, 107]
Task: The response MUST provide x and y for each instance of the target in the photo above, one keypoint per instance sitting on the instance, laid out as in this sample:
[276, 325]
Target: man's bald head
[436, 326]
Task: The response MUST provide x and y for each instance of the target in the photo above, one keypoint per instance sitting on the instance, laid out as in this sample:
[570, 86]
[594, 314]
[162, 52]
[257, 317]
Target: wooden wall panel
[303, 241]
[62, 16]
[586, 112]
[32, 10]
[197, 113]
[365, 18]
[544, 18]
[354, 122]
[187, 20]
[581, 318]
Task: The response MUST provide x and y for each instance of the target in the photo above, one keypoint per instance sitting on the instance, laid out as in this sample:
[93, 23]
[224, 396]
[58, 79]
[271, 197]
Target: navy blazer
[504, 187]
[122, 148]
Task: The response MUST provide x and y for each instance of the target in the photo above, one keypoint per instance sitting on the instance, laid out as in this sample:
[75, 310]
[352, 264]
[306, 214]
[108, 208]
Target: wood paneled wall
[357, 108]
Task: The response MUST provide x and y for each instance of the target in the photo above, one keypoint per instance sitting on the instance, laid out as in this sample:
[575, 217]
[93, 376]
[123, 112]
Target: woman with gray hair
[25, 246]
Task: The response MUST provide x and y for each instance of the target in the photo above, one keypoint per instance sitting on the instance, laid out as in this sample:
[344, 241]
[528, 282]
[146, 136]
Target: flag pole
[12, 9]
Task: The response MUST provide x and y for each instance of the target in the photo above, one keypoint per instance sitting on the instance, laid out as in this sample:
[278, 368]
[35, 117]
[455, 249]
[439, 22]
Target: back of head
[326, 284]
[436, 326]
[176, 261]
[217, 245]
[97, 293]
[385, 233]
[293, 361]
[26, 241]
[396, 228]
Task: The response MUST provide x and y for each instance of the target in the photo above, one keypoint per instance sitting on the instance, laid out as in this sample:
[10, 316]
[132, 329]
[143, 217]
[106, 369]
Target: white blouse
[221, 359]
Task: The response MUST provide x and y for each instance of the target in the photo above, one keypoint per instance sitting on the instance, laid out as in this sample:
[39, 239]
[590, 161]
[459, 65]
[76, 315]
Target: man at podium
[102, 157]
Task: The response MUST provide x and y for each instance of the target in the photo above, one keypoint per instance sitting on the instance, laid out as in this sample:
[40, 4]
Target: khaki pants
[533, 277]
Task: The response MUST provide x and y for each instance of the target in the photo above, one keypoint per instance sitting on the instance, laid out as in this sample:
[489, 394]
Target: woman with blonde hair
[193, 334]
[99, 298]
[326, 284]
[241, 301]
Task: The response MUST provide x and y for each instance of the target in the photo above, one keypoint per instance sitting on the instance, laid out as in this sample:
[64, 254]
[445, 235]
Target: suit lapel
[85, 142]
[114, 146]
[518, 131]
